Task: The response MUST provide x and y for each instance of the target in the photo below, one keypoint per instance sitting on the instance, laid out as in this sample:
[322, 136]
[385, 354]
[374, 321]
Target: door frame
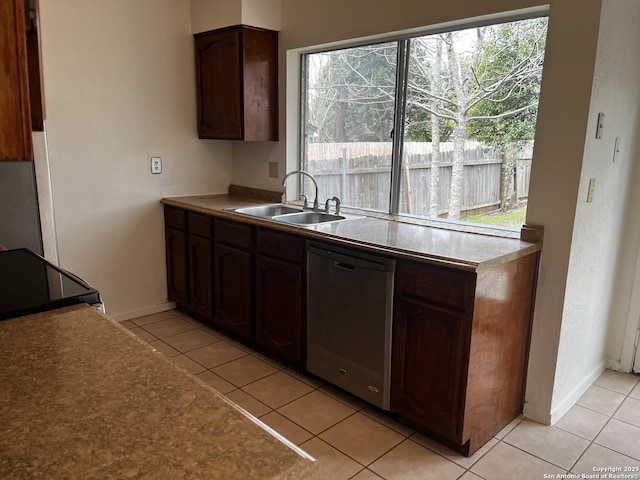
[630, 354]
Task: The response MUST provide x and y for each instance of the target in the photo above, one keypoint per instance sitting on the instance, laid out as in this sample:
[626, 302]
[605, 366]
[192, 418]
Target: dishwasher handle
[344, 266]
[347, 261]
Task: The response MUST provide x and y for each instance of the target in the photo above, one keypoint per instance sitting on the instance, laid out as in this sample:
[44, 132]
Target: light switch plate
[273, 169]
[617, 149]
[600, 126]
[592, 187]
[156, 165]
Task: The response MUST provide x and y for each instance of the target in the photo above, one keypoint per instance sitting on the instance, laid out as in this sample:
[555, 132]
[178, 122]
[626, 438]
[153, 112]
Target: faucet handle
[332, 199]
[306, 200]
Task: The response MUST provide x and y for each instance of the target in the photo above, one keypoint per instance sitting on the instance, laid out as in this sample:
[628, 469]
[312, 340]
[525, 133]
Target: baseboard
[616, 366]
[549, 418]
[573, 396]
[163, 307]
[536, 414]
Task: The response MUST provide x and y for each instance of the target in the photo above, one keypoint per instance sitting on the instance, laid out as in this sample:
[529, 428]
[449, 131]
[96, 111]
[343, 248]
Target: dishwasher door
[349, 320]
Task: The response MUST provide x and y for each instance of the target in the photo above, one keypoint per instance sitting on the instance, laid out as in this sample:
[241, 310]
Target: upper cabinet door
[15, 117]
[237, 83]
[219, 85]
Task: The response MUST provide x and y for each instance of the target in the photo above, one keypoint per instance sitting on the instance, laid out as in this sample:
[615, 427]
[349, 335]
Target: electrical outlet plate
[156, 165]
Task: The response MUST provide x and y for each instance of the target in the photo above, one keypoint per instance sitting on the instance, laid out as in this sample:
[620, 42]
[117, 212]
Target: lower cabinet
[428, 365]
[234, 290]
[280, 293]
[176, 245]
[201, 275]
[460, 348]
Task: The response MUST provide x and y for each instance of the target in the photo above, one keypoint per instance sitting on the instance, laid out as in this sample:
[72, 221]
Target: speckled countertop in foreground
[83, 398]
[464, 250]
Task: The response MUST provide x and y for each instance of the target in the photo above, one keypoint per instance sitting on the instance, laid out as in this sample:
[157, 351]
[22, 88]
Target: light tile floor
[355, 441]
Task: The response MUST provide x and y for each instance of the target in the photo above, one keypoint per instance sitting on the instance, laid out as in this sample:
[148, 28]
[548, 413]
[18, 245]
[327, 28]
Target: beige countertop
[469, 251]
[83, 398]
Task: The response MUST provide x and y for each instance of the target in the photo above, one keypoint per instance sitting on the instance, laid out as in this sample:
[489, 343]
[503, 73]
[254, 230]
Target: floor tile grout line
[608, 447]
[538, 457]
[498, 442]
[219, 365]
[167, 336]
[623, 421]
[284, 404]
[168, 312]
[612, 390]
[218, 339]
[601, 413]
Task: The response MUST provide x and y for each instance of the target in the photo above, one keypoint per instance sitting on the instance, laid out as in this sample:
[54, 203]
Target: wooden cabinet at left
[19, 73]
[189, 250]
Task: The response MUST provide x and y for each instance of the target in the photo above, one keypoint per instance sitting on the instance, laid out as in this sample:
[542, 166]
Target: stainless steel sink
[308, 218]
[268, 211]
[292, 214]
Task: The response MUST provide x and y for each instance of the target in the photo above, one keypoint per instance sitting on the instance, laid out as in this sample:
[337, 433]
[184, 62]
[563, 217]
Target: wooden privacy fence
[360, 174]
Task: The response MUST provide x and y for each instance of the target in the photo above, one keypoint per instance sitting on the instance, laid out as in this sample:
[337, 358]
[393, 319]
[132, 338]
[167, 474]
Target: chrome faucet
[315, 184]
[333, 199]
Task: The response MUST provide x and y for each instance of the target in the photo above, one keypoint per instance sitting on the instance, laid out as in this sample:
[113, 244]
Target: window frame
[402, 38]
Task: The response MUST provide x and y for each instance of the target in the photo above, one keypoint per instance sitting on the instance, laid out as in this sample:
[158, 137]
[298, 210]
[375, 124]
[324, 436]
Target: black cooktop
[30, 284]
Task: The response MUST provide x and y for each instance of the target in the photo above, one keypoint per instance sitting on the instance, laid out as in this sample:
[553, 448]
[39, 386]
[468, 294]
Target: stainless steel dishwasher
[349, 320]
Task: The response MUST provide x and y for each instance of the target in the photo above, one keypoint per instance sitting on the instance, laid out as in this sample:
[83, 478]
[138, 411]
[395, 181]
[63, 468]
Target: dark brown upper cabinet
[237, 83]
[21, 104]
[15, 121]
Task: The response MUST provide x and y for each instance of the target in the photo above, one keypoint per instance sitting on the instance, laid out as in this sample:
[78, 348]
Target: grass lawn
[513, 218]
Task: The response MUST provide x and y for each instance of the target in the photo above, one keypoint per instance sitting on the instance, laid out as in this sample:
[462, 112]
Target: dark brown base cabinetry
[460, 348]
[460, 336]
[249, 282]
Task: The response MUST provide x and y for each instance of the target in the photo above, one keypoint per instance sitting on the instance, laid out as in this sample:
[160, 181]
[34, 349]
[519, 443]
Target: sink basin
[292, 214]
[308, 218]
[268, 211]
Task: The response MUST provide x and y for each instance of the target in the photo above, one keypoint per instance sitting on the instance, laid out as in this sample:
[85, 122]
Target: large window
[440, 125]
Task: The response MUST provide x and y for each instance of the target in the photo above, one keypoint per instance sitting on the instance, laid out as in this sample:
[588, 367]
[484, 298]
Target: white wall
[211, 14]
[262, 13]
[619, 77]
[563, 121]
[120, 88]
[597, 235]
